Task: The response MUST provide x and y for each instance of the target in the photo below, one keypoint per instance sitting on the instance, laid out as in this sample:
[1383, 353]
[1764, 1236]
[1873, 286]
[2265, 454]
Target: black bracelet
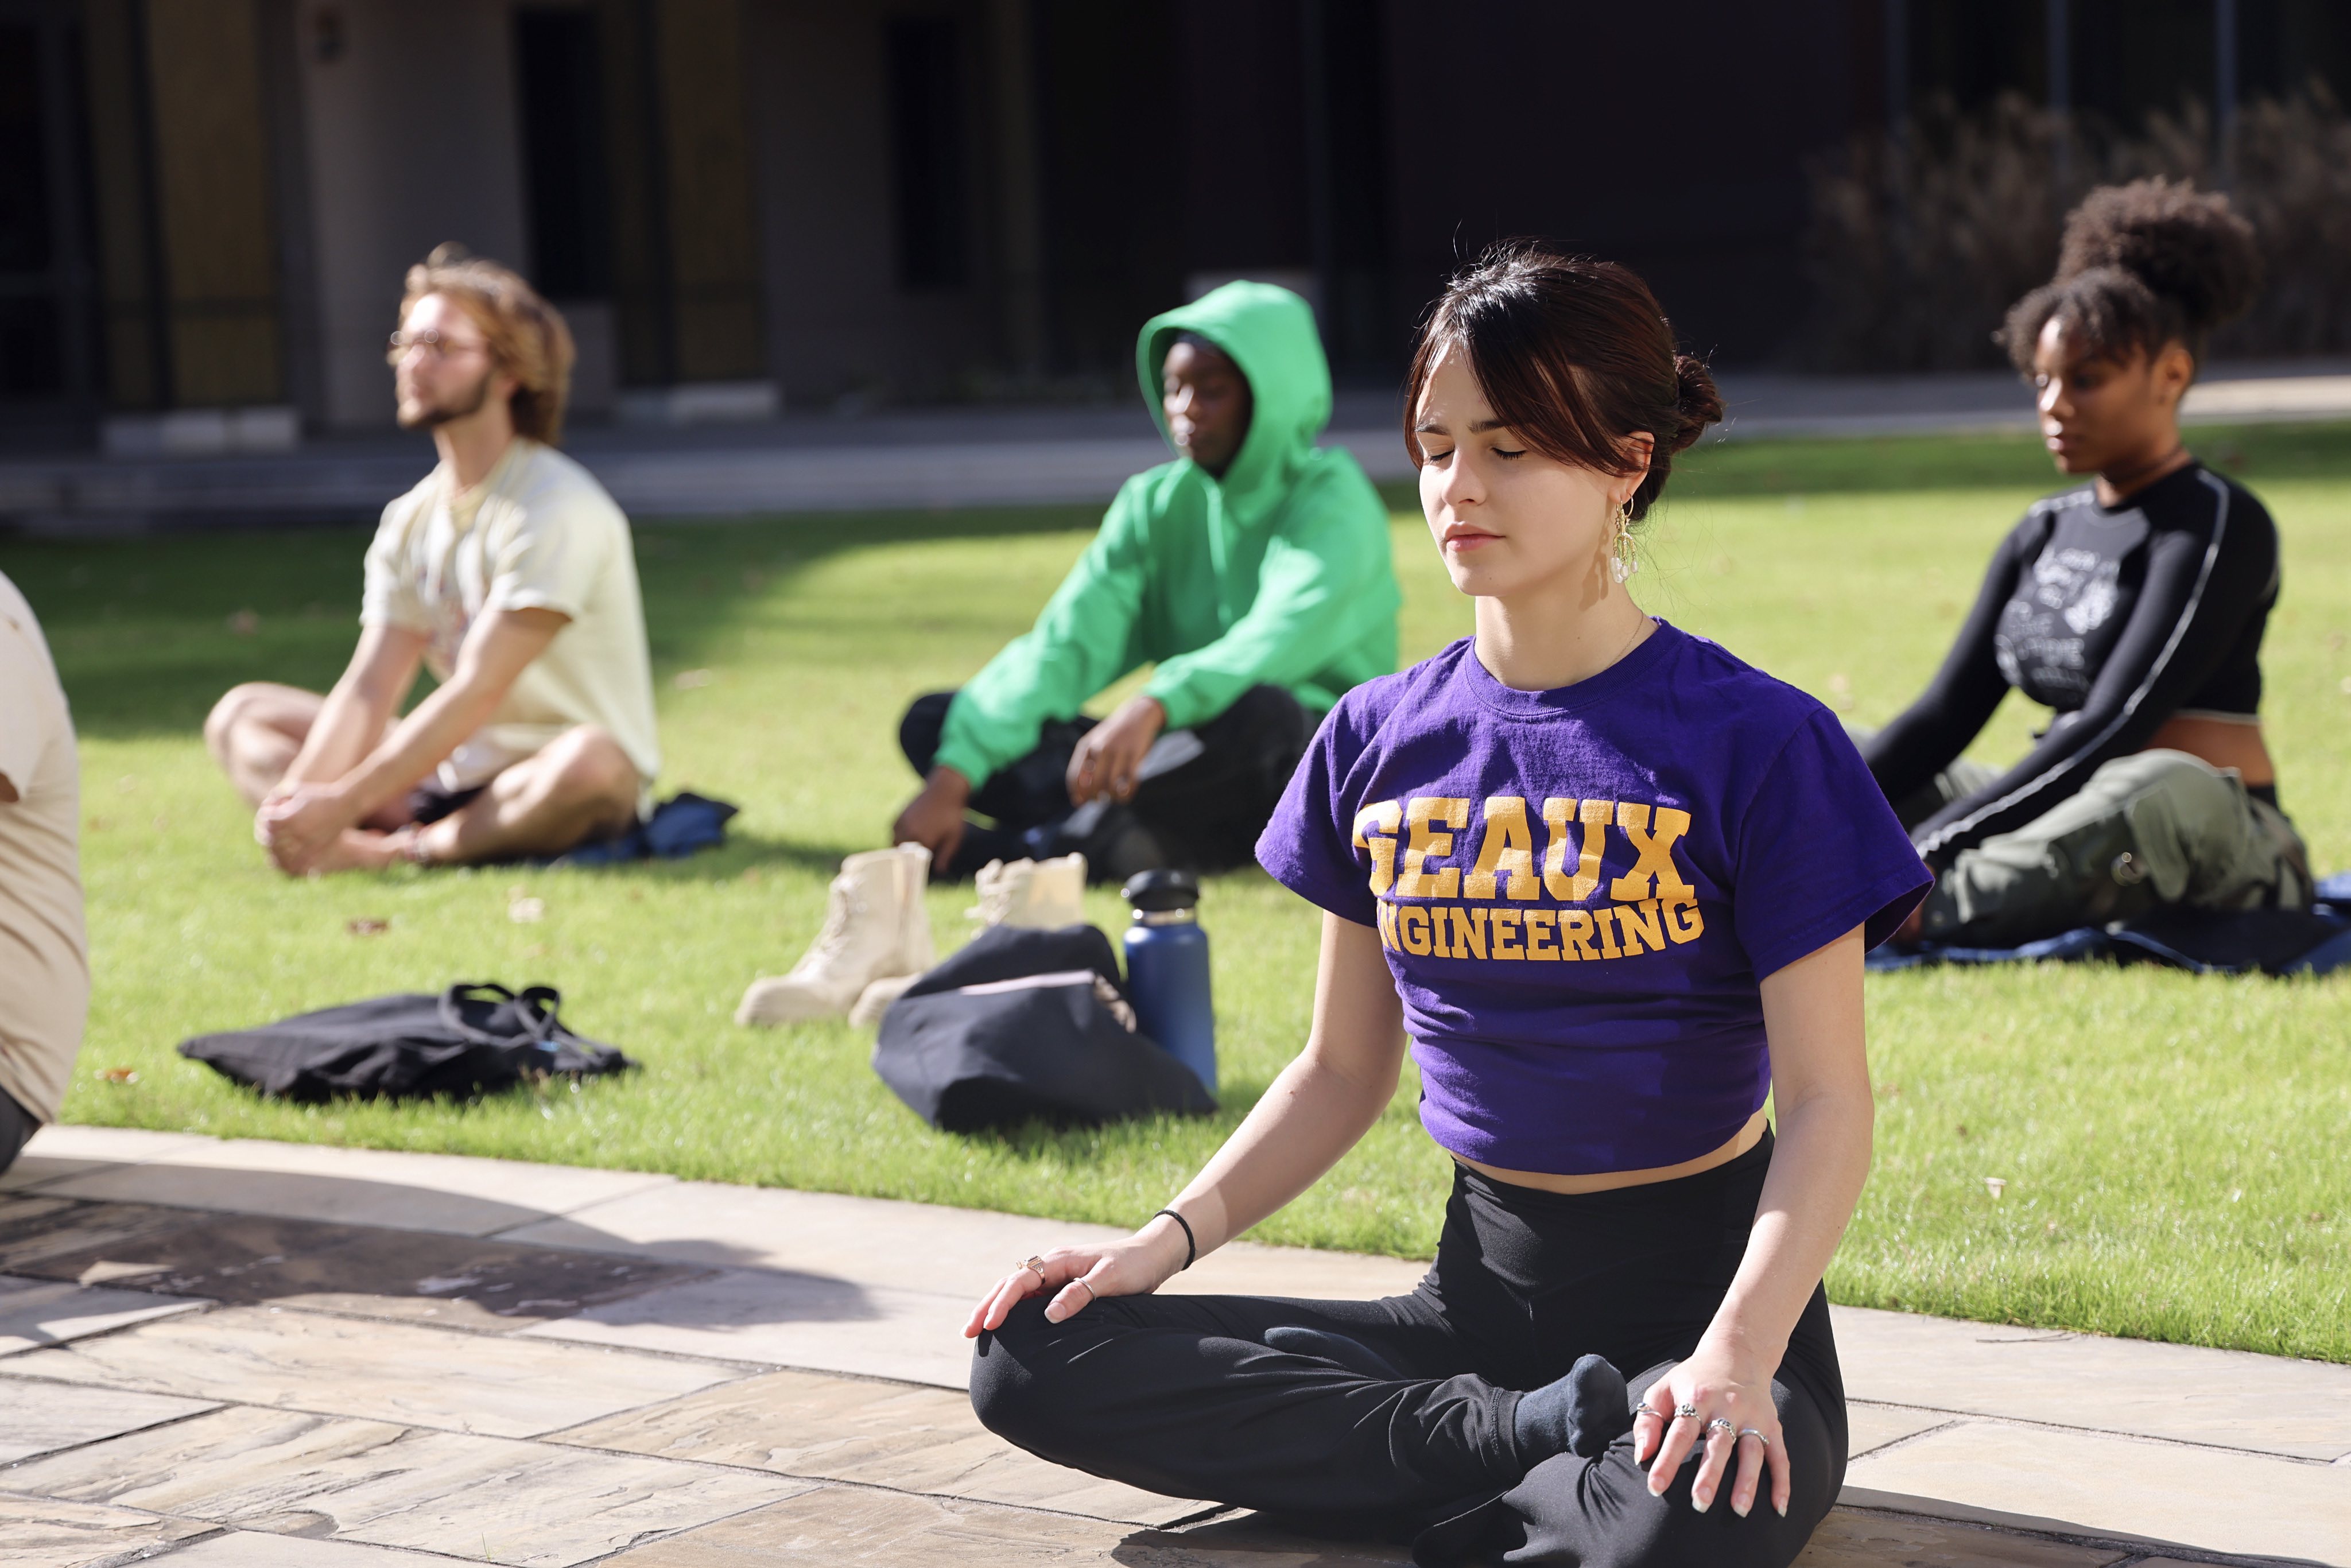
[1191, 1243]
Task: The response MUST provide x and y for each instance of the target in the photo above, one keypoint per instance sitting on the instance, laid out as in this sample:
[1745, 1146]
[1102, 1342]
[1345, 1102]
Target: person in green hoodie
[1253, 572]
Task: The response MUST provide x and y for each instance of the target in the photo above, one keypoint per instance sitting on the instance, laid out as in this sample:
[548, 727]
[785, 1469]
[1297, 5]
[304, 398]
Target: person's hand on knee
[1074, 1278]
[297, 825]
[1712, 1408]
[1109, 758]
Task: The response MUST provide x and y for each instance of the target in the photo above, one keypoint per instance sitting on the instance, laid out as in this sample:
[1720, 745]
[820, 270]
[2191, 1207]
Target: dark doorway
[45, 365]
[566, 180]
[925, 64]
[1347, 79]
[1113, 165]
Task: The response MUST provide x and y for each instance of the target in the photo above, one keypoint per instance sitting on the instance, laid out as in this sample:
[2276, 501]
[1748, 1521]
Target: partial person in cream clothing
[43, 953]
[509, 573]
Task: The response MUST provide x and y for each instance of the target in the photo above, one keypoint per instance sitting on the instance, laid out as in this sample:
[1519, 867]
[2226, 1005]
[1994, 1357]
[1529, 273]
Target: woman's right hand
[1075, 1277]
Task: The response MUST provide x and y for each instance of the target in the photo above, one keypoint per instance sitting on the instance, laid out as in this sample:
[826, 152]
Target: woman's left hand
[1714, 1384]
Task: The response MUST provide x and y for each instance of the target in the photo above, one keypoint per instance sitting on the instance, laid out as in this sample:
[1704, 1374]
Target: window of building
[565, 180]
[925, 64]
[32, 361]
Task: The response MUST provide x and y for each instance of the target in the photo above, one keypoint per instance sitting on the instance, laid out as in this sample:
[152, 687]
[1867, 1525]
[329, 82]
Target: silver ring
[1091, 1296]
[1751, 1432]
[1685, 1412]
[1718, 1425]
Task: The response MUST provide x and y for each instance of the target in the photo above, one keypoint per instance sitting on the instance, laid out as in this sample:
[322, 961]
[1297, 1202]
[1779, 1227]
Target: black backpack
[1024, 1024]
[469, 1040]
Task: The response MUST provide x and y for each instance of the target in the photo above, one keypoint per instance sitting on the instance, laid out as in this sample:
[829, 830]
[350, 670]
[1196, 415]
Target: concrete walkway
[291, 1357]
[983, 458]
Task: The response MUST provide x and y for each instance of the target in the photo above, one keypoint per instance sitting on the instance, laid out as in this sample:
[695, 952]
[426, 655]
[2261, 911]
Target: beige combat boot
[1041, 896]
[916, 954]
[867, 935]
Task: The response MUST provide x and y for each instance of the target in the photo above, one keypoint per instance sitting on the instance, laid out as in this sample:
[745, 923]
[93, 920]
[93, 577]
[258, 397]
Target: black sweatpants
[1180, 1395]
[1205, 815]
[18, 1127]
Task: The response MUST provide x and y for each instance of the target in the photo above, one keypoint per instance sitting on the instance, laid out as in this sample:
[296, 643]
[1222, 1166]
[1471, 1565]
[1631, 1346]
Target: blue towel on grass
[2315, 941]
[679, 826]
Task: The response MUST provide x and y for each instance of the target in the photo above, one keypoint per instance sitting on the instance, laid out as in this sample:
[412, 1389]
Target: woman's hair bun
[1696, 397]
[2187, 245]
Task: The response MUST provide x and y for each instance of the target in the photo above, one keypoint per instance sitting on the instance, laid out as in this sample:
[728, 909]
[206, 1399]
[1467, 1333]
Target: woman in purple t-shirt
[1613, 888]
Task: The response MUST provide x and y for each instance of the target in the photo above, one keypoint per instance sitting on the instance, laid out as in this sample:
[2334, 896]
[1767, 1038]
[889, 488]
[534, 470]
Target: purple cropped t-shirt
[1579, 891]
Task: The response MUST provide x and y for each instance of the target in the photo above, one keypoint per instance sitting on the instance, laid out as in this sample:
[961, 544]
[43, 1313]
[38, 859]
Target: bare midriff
[2222, 742]
[1746, 1138]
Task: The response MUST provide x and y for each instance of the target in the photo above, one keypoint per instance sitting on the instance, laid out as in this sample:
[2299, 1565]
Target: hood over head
[1269, 333]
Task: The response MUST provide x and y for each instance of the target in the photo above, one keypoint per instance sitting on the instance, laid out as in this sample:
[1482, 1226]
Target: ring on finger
[1685, 1412]
[1091, 1296]
[1759, 1436]
[1034, 1265]
[1718, 1425]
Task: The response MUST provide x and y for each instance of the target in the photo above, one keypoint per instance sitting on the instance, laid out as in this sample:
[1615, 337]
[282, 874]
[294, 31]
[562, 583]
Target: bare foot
[356, 849]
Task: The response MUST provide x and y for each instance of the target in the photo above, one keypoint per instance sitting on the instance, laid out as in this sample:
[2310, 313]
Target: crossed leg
[580, 785]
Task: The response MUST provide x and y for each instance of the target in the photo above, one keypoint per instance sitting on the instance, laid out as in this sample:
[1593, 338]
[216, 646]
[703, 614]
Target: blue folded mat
[2314, 941]
[679, 826]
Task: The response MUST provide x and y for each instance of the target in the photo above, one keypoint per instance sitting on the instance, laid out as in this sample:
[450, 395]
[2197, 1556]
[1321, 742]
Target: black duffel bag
[1023, 1025]
[469, 1040]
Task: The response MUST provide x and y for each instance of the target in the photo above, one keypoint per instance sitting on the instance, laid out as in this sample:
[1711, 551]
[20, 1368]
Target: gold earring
[1625, 557]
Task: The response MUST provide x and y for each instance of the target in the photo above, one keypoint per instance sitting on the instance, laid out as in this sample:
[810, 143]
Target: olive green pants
[2152, 829]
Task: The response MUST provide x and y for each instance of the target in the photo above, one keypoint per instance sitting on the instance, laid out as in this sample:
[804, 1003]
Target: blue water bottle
[1168, 969]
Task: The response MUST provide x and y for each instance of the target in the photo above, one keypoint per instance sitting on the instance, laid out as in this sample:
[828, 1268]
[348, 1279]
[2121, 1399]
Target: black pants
[1181, 1396]
[1205, 815]
[18, 1127]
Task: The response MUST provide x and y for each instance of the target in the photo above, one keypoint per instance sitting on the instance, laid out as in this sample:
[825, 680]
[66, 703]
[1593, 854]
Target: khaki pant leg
[2156, 828]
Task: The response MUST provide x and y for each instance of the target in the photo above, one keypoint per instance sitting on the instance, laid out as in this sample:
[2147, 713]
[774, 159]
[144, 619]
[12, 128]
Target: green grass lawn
[2171, 1145]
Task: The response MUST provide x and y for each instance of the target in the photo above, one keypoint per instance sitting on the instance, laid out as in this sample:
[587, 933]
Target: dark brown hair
[2142, 265]
[527, 336]
[1574, 355]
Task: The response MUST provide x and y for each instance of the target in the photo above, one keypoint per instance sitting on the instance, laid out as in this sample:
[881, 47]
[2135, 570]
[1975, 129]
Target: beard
[414, 413]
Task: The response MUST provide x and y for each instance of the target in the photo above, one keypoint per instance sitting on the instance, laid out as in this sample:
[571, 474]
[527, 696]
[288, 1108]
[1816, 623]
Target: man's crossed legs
[578, 787]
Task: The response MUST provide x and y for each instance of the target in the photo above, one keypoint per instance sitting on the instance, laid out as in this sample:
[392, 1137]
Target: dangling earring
[1625, 557]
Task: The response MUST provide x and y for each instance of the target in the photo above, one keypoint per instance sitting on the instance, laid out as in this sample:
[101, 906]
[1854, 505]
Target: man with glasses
[509, 573]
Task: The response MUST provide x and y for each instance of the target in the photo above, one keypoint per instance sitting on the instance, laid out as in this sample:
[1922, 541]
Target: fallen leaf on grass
[525, 911]
[687, 680]
[117, 1075]
[1995, 1186]
[366, 926]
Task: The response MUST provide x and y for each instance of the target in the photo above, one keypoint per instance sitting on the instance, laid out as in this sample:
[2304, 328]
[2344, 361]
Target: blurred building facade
[206, 206]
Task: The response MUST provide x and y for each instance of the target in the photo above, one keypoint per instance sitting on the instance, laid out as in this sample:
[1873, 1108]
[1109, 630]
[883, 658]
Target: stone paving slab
[787, 1320]
[253, 1549]
[455, 1281]
[37, 1313]
[490, 1499]
[510, 1387]
[2171, 1495]
[33, 1228]
[355, 1187]
[955, 1252]
[1874, 1426]
[2271, 1404]
[41, 1533]
[67, 1150]
[876, 1434]
[42, 1418]
[1850, 1538]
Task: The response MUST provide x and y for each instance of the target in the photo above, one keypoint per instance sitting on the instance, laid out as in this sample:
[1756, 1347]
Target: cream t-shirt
[537, 533]
[44, 949]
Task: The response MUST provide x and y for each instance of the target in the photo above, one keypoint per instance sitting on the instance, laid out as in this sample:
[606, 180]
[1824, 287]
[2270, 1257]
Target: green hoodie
[1281, 572]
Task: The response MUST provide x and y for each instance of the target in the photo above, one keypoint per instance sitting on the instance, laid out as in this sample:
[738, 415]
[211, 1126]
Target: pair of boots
[876, 939]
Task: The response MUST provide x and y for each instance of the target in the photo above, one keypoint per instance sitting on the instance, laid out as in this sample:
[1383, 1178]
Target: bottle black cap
[1164, 889]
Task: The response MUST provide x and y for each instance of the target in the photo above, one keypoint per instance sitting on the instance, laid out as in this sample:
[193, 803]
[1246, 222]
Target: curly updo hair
[2143, 265]
[1575, 356]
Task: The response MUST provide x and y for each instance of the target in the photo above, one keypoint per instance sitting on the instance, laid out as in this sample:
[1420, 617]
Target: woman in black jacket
[2133, 607]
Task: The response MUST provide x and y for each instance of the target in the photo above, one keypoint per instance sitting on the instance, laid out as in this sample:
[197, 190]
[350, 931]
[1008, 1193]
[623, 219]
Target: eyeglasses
[435, 345]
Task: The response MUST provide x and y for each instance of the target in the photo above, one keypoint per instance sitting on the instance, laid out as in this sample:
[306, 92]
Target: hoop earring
[1625, 557]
